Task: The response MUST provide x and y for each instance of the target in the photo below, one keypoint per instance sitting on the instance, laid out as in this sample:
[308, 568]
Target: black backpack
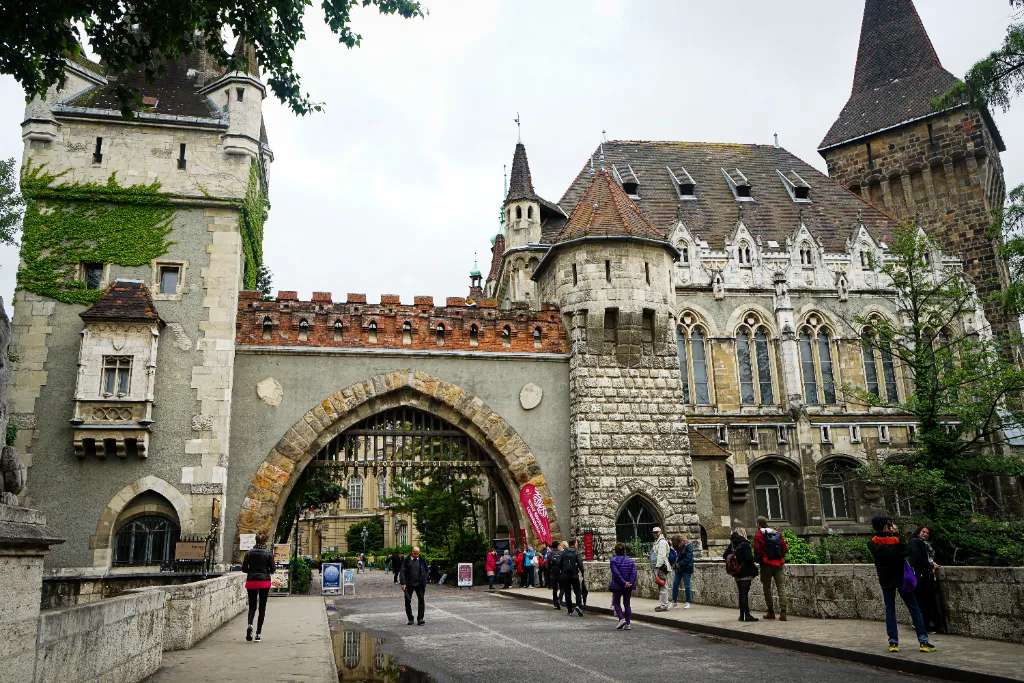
[555, 564]
[772, 544]
[568, 563]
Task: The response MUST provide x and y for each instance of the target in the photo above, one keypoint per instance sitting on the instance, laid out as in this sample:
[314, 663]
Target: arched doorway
[145, 532]
[514, 464]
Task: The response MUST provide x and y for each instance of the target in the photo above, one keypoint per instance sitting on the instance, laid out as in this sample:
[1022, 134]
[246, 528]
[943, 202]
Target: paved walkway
[296, 646]
[958, 658]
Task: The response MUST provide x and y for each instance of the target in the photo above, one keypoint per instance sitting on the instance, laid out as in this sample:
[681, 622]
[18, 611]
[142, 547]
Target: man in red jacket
[770, 549]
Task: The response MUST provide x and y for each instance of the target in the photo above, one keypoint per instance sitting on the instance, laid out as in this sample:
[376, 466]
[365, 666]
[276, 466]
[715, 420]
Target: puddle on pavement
[360, 656]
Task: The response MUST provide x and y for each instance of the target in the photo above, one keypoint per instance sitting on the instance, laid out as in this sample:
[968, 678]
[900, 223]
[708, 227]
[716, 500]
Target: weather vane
[519, 130]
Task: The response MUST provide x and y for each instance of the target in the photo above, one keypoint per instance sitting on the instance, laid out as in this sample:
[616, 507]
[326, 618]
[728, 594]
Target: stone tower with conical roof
[610, 271]
[939, 168]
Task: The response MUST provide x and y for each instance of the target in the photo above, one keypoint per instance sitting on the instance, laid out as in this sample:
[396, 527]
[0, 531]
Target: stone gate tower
[610, 271]
[940, 168]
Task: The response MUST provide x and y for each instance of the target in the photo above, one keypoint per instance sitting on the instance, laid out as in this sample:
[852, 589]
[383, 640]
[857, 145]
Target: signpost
[331, 576]
[465, 575]
[348, 578]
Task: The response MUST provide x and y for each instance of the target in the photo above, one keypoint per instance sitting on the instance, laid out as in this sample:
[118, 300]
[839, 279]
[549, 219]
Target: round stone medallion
[530, 396]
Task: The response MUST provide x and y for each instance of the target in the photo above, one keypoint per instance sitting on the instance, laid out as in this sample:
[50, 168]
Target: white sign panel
[246, 541]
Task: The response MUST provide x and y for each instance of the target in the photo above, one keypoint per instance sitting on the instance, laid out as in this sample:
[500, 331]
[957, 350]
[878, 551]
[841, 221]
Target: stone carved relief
[111, 414]
[270, 391]
[202, 423]
[530, 396]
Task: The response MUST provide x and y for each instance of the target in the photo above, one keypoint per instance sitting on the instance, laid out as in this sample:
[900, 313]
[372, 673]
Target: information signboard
[281, 554]
[465, 575]
[331, 577]
[348, 578]
[279, 584]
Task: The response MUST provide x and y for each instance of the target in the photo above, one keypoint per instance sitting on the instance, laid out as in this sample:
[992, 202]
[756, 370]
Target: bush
[844, 550]
[374, 537]
[301, 575]
[800, 551]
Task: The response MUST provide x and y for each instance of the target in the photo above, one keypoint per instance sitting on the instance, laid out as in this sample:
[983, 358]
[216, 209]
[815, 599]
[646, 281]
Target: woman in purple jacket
[622, 584]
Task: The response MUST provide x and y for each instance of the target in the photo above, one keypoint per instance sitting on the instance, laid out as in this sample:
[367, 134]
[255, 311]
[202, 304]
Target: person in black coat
[740, 547]
[414, 577]
[569, 575]
[258, 566]
[922, 558]
[890, 554]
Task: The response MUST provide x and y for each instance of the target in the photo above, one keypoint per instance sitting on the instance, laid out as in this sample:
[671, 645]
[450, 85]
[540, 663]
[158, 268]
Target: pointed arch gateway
[515, 464]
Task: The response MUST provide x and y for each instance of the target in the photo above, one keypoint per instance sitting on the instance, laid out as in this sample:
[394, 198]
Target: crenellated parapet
[458, 325]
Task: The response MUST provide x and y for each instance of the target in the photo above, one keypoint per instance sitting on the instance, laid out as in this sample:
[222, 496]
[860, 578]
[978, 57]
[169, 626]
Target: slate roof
[497, 251]
[520, 184]
[124, 301]
[605, 210]
[897, 73]
[712, 215]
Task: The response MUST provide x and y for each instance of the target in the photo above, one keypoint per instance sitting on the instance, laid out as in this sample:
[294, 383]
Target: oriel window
[117, 375]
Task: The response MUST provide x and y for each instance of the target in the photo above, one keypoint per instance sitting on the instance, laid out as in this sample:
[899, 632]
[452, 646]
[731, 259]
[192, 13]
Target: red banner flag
[533, 506]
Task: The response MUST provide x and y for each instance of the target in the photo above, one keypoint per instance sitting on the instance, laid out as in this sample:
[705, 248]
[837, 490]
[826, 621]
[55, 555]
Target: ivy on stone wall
[254, 215]
[69, 223]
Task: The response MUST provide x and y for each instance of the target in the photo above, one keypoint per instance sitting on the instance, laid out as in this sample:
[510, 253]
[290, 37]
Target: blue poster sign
[331, 576]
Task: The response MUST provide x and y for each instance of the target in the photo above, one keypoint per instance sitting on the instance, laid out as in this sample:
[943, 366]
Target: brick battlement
[390, 324]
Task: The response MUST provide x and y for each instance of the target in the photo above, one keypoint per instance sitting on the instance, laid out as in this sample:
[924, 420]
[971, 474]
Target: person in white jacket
[661, 569]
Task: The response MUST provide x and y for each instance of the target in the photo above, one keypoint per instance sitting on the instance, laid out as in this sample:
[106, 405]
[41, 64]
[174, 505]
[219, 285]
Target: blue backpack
[673, 557]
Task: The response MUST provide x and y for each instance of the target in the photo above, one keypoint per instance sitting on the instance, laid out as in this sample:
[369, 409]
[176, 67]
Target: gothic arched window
[806, 255]
[743, 254]
[879, 367]
[692, 347]
[636, 521]
[816, 362]
[145, 540]
[753, 358]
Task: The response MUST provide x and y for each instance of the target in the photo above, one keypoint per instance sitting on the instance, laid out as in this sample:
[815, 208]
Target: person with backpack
[623, 582]
[740, 565]
[660, 567]
[771, 548]
[896, 576]
[570, 572]
[681, 559]
[530, 567]
[555, 573]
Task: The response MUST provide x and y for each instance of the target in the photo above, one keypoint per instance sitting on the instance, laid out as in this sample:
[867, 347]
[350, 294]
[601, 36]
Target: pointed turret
[476, 290]
[605, 210]
[520, 183]
[897, 74]
[522, 204]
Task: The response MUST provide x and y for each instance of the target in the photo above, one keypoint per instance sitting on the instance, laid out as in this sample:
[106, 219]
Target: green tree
[999, 77]
[443, 503]
[374, 535]
[35, 37]
[265, 283]
[963, 393]
[1009, 223]
[316, 488]
[11, 202]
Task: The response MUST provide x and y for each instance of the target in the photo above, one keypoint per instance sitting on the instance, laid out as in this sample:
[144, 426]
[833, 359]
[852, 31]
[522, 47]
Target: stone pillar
[24, 541]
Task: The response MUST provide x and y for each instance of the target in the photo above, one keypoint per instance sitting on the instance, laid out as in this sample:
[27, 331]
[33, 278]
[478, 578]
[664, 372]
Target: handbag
[909, 578]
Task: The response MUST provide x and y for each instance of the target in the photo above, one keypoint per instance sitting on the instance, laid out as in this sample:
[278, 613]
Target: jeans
[891, 629]
[531, 577]
[258, 595]
[687, 580]
[490, 580]
[623, 611]
[743, 588]
[778, 574]
[556, 590]
[419, 591]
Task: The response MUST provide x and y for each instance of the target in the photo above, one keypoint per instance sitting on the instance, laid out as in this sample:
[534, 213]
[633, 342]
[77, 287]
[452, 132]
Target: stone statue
[12, 472]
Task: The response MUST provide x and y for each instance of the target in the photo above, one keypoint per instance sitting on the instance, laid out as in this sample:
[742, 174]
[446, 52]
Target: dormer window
[799, 189]
[739, 185]
[303, 330]
[628, 179]
[268, 327]
[684, 183]
[865, 258]
[806, 255]
[684, 253]
[371, 331]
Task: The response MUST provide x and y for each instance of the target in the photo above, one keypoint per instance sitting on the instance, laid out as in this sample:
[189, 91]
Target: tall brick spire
[897, 74]
[520, 184]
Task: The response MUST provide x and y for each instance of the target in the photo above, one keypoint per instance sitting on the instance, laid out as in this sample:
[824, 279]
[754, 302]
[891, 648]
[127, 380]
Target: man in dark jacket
[569, 576]
[413, 578]
[890, 556]
[396, 565]
[555, 574]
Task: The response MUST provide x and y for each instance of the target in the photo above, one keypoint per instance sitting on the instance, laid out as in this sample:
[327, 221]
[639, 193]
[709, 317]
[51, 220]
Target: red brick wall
[286, 314]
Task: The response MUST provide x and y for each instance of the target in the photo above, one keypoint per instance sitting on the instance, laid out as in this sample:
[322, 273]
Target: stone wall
[194, 610]
[981, 602]
[69, 587]
[121, 639]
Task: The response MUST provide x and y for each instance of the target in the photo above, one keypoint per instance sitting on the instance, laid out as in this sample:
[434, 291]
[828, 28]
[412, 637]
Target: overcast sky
[395, 186]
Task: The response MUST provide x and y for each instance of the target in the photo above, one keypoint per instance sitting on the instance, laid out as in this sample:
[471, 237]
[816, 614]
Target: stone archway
[275, 476]
[102, 541]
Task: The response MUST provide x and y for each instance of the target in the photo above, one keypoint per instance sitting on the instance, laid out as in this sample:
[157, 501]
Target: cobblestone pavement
[471, 635]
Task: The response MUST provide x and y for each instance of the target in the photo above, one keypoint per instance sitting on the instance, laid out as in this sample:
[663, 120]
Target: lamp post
[366, 532]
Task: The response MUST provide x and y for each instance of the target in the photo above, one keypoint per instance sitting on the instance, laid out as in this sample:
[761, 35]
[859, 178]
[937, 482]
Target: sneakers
[686, 605]
[248, 632]
[673, 605]
[409, 623]
[894, 647]
[749, 617]
[259, 638]
[579, 612]
[627, 627]
[661, 608]
[927, 647]
[420, 622]
[622, 625]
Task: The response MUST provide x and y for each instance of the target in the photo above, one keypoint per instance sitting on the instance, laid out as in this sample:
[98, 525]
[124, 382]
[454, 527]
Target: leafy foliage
[996, 79]
[964, 391]
[1009, 224]
[133, 36]
[301, 575]
[800, 550]
[265, 283]
[443, 503]
[255, 207]
[11, 203]
[66, 224]
[315, 489]
[374, 536]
